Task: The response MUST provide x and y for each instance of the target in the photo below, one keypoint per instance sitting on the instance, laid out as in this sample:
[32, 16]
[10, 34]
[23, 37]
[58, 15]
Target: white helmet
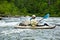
[33, 16]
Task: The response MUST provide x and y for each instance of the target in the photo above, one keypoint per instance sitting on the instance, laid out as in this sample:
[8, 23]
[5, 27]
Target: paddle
[45, 17]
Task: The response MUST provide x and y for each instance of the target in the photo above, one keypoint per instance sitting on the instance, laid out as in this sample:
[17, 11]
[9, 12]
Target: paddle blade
[46, 16]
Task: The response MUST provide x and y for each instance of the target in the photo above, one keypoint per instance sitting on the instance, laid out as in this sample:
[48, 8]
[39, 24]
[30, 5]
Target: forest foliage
[29, 7]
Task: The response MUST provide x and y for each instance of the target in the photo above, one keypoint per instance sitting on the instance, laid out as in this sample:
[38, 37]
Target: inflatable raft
[36, 27]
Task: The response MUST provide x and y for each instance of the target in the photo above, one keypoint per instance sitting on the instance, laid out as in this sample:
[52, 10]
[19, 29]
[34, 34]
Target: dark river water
[8, 32]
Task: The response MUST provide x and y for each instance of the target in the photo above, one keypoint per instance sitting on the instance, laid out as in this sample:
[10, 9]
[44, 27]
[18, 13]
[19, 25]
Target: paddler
[33, 21]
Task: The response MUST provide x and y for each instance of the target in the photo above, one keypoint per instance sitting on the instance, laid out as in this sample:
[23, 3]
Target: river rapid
[8, 32]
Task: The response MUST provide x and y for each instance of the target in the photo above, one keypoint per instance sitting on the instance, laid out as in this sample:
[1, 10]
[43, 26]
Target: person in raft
[33, 21]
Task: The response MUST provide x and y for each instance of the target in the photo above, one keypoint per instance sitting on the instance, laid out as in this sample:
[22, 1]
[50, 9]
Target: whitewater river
[8, 32]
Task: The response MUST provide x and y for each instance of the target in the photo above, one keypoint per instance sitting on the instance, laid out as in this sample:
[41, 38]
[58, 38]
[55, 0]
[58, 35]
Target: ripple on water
[30, 34]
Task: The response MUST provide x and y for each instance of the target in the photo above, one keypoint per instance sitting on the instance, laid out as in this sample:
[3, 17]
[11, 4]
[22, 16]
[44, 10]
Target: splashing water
[8, 32]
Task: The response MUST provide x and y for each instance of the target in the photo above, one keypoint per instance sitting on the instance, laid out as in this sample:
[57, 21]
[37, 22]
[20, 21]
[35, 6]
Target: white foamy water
[4, 24]
[8, 32]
